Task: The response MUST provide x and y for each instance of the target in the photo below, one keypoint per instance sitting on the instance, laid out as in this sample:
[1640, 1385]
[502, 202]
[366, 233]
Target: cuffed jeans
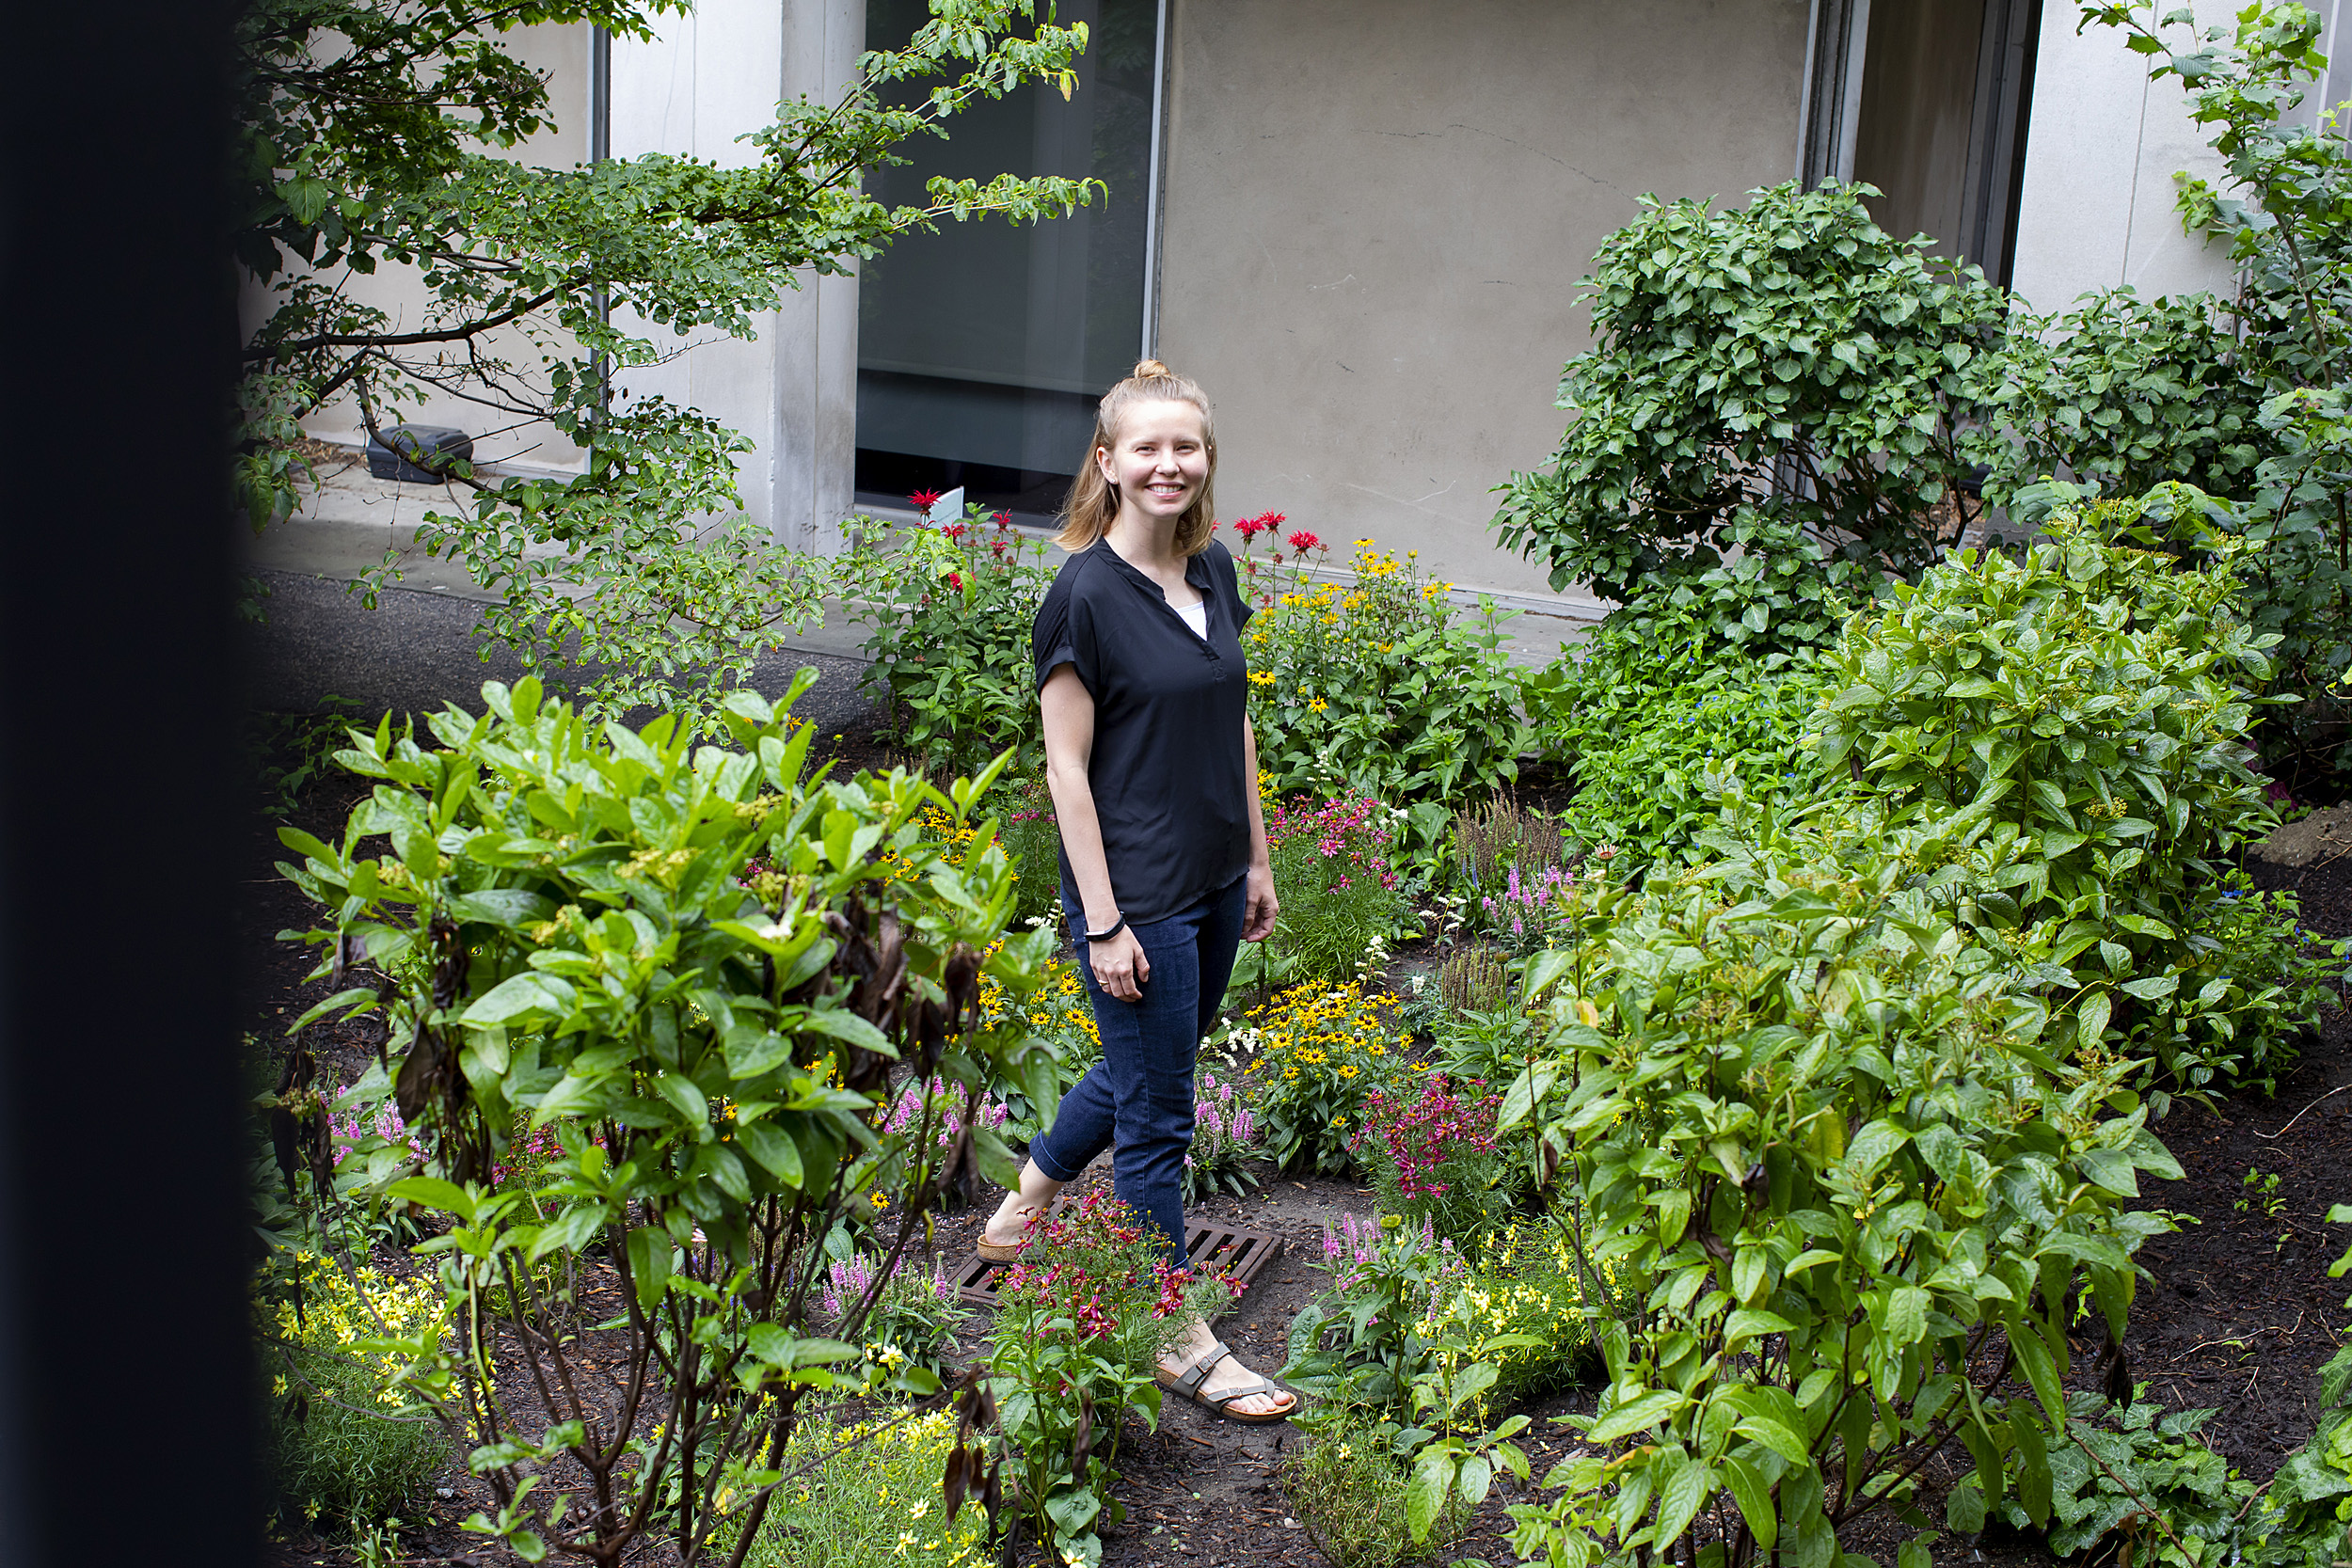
[1137, 1100]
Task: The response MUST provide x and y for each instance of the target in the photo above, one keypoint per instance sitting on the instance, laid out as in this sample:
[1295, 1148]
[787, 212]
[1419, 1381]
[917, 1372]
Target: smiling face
[1160, 460]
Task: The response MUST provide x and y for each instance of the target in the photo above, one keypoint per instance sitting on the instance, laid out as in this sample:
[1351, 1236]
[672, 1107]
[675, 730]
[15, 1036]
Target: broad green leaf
[649, 1264]
[1637, 1415]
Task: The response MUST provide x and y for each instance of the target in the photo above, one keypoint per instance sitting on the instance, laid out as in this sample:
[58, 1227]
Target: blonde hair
[1086, 516]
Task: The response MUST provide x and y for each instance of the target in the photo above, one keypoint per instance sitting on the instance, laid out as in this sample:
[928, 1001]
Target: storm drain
[1237, 1252]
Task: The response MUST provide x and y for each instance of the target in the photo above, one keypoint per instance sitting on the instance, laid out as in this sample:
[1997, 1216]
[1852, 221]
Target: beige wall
[562, 53]
[1377, 212]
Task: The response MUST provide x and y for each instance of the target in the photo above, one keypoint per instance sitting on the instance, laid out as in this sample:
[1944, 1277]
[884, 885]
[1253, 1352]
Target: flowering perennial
[1426, 1137]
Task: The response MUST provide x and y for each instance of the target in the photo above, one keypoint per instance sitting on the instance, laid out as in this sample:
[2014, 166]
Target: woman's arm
[1258, 915]
[1067, 709]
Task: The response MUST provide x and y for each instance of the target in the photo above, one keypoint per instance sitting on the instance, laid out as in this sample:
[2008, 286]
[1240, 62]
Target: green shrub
[346, 1451]
[560, 927]
[1428, 1149]
[2306, 1515]
[1796, 1098]
[1651, 794]
[1377, 687]
[2083, 698]
[1788, 361]
[871, 1495]
[951, 610]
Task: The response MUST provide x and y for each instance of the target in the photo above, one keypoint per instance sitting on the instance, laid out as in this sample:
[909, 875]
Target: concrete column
[2101, 150]
[707, 78]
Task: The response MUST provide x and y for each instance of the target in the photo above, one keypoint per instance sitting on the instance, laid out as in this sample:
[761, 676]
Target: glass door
[982, 349]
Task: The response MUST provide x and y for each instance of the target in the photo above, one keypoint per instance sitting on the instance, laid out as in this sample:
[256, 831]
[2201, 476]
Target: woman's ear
[1102, 464]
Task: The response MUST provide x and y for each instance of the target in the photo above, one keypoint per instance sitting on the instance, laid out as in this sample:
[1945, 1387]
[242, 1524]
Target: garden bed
[2239, 1316]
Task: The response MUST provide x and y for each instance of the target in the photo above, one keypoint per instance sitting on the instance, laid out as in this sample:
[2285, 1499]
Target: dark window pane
[983, 348]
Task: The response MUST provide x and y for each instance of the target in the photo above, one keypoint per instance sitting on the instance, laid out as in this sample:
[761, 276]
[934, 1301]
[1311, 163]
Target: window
[983, 349]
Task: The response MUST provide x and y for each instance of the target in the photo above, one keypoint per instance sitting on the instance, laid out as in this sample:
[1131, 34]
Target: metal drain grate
[1238, 1252]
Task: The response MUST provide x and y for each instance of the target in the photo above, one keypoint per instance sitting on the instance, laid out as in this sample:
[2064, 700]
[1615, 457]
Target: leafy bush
[559, 930]
[2083, 700]
[1651, 795]
[1358, 1344]
[1078, 1331]
[2307, 1516]
[867, 1491]
[1033, 839]
[1431, 1155]
[2133, 1478]
[951, 610]
[346, 1450]
[1867, 1192]
[2124, 394]
[1374, 685]
[1789, 362]
[1310, 1055]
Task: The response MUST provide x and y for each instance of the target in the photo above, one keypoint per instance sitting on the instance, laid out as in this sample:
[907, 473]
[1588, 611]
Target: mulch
[2238, 1313]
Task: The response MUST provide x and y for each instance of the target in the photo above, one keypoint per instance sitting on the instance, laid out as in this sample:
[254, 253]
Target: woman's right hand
[1120, 966]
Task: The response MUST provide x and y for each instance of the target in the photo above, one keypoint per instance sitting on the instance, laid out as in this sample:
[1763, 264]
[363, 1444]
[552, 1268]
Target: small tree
[1789, 360]
[373, 135]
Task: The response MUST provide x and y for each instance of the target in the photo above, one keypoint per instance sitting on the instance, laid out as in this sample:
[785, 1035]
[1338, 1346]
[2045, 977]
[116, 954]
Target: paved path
[417, 651]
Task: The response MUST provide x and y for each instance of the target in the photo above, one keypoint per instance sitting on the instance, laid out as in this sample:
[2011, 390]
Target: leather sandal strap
[1189, 1383]
[1266, 1387]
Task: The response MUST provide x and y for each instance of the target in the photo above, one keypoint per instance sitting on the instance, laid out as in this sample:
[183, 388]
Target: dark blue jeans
[1137, 1100]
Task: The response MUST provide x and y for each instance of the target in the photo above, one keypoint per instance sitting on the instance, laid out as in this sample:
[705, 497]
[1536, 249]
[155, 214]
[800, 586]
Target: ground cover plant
[1335, 862]
[1313, 1052]
[867, 1492]
[729, 1053]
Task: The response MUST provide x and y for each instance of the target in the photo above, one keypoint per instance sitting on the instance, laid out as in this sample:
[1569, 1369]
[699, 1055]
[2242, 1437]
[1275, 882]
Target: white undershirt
[1196, 616]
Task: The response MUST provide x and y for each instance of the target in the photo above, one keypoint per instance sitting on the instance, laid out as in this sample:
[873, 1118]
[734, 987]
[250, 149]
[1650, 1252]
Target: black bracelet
[1117, 926]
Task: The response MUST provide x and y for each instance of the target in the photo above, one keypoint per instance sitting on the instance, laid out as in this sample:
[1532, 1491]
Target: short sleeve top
[1171, 788]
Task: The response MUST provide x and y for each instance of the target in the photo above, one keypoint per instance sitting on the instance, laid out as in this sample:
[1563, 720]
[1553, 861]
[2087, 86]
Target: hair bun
[1149, 368]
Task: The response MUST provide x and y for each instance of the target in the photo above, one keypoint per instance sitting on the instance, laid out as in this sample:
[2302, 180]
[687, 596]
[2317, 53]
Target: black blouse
[1171, 784]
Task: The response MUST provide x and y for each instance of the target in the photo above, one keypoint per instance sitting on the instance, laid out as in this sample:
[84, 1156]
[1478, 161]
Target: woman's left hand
[1257, 923]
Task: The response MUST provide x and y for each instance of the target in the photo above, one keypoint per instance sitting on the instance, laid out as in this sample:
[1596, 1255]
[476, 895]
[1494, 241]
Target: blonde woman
[1152, 769]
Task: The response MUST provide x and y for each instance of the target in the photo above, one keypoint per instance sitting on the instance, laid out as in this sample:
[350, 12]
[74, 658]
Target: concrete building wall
[2097, 208]
[1376, 213]
[562, 53]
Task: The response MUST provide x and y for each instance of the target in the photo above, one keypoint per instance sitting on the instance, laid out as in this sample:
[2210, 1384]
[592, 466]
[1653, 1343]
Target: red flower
[1003, 521]
[955, 530]
[1266, 522]
[921, 501]
[1303, 541]
[956, 579]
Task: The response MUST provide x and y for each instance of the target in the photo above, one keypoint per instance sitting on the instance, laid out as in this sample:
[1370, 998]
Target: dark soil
[2239, 1313]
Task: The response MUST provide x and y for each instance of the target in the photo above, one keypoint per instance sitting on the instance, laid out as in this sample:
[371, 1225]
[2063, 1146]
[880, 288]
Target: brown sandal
[1187, 1384]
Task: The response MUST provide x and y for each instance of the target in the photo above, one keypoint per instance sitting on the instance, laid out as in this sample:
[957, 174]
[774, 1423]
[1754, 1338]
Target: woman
[1152, 769]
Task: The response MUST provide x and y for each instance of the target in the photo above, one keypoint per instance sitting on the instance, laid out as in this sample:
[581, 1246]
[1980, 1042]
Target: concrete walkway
[418, 650]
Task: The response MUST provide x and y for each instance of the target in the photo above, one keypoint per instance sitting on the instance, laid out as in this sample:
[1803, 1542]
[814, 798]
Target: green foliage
[559, 930]
[2139, 1481]
[1349, 1488]
[344, 1450]
[2083, 701]
[1377, 687]
[288, 752]
[2285, 210]
[2125, 394]
[374, 134]
[1795, 1098]
[865, 1492]
[951, 610]
[1078, 1333]
[1652, 792]
[1788, 360]
[1310, 1055]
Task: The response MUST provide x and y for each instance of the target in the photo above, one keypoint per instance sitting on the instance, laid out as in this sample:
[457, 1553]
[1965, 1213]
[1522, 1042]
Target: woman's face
[1161, 460]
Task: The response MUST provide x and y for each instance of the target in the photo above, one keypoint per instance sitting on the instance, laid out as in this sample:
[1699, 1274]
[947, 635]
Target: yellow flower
[1317, 705]
[1347, 1070]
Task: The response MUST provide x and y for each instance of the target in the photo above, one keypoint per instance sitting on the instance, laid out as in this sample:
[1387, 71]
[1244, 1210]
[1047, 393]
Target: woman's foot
[1009, 1227]
[1225, 1374]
